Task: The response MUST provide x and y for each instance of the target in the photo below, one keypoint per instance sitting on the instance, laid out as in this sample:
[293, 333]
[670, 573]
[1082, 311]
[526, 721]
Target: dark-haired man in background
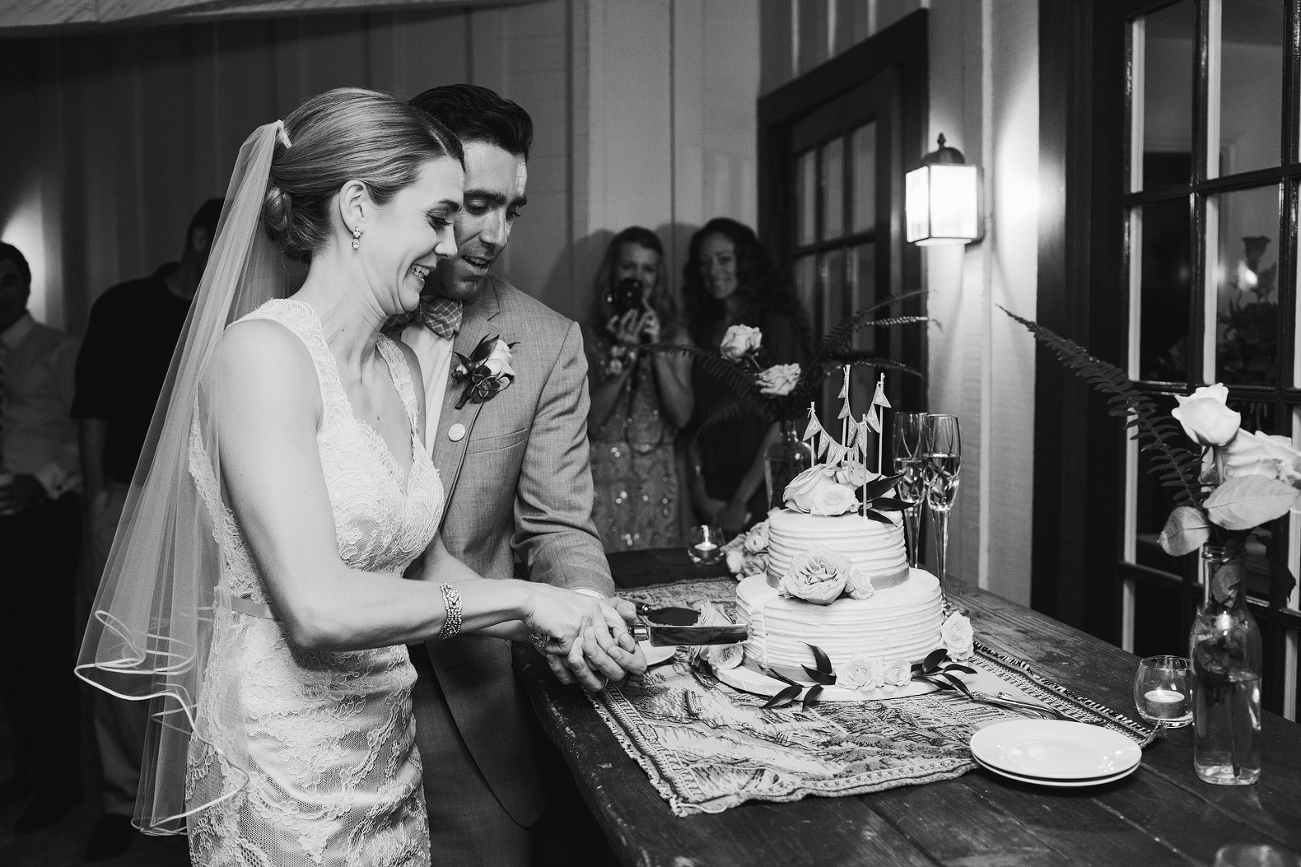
[518, 483]
[124, 358]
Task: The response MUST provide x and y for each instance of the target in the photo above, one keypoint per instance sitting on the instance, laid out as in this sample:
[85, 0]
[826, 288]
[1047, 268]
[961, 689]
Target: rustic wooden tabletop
[1161, 814]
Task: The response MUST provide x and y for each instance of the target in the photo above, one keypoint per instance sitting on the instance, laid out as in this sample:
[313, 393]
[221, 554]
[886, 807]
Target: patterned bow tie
[440, 315]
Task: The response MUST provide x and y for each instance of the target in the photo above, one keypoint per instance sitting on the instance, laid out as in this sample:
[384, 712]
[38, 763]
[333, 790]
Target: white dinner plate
[1054, 750]
[655, 655]
[1065, 784]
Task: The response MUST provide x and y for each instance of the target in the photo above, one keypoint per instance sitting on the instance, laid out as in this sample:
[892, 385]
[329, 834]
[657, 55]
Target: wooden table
[1161, 814]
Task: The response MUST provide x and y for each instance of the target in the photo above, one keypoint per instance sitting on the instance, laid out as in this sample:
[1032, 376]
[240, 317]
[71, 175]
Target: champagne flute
[907, 451]
[942, 458]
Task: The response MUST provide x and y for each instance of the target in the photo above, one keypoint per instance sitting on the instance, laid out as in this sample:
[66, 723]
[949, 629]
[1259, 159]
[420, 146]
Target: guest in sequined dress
[640, 400]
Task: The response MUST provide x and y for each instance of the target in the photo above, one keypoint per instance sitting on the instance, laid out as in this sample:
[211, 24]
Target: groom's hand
[605, 652]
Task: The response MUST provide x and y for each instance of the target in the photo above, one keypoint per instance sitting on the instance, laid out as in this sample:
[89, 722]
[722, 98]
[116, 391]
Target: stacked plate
[1055, 752]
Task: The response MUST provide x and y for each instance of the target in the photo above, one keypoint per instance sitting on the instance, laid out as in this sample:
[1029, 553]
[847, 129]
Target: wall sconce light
[942, 199]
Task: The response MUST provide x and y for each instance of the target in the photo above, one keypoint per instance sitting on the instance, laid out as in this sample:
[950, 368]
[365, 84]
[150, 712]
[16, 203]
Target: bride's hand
[587, 638]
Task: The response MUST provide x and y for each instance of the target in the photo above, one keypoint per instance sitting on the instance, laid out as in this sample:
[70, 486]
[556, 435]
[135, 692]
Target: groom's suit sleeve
[554, 532]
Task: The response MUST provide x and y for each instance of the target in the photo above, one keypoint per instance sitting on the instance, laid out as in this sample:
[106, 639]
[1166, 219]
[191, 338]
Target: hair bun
[276, 210]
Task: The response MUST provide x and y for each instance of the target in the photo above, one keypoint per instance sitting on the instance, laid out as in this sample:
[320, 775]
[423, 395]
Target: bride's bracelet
[451, 622]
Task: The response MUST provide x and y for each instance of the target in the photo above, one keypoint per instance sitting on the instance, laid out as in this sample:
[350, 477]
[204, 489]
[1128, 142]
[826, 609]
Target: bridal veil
[151, 624]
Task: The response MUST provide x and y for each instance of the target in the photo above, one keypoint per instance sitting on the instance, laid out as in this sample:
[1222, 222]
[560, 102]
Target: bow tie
[440, 315]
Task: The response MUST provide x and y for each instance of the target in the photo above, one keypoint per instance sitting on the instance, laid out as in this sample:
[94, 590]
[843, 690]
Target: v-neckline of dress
[368, 430]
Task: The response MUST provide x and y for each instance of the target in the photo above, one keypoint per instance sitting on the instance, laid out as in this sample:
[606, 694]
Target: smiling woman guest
[640, 400]
[255, 592]
[729, 280]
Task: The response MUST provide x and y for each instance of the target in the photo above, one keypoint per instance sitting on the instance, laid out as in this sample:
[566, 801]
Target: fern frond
[838, 339]
[1178, 467]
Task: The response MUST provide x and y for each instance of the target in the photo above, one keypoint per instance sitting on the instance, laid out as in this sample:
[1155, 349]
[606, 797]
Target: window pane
[863, 277]
[1155, 502]
[806, 277]
[862, 142]
[1251, 84]
[833, 189]
[831, 276]
[806, 198]
[1163, 109]
[1245, 271]
[1166, 293]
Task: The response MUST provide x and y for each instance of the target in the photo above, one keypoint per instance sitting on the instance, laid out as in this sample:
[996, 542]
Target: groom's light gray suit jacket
[519, 481]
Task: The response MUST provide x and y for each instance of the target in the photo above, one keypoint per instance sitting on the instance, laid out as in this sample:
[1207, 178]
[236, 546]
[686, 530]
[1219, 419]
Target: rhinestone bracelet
[452, 622]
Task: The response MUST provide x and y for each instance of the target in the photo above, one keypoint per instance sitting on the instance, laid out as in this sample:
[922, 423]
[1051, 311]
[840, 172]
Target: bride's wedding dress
[333, 775]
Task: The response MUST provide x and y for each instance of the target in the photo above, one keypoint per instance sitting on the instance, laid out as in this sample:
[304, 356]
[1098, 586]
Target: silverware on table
[1004, 700]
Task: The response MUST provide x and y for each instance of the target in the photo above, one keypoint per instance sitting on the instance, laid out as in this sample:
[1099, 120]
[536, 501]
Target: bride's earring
[356, 238]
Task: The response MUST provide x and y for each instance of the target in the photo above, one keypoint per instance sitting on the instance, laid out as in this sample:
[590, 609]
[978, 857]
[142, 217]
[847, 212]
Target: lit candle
[1163, 696]
[706, 546]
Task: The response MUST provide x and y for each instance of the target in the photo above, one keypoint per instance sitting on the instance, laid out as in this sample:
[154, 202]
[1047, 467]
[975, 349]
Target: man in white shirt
[515, 466]
[40, 535]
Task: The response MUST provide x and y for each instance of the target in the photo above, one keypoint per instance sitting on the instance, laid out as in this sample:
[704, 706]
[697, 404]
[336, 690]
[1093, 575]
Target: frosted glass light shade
[942, 204]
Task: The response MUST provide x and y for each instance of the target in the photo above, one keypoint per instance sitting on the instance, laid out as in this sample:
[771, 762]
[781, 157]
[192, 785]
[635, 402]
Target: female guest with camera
[639, 399]
[730, 280]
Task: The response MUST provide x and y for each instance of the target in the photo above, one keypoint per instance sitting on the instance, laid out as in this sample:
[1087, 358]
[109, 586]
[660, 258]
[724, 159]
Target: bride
[255, 593]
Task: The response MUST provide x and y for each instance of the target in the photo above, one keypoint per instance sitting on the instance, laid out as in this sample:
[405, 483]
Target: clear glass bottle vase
[1225, 652]
[784, 460]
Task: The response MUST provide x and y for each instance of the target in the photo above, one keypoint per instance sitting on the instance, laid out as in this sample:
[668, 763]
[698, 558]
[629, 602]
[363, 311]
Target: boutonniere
[485, 371]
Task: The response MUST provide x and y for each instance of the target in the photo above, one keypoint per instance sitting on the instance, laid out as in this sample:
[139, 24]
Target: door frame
[904, 47]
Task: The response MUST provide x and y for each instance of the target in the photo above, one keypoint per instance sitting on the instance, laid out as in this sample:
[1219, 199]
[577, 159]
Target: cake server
[664, 627]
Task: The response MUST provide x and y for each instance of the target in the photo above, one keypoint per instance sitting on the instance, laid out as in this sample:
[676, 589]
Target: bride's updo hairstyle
[347, 134]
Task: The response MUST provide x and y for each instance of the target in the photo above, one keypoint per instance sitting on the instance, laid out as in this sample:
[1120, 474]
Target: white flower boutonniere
[485, 371]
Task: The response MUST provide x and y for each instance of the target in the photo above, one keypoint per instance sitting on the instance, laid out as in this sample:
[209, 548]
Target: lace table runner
[708, 747]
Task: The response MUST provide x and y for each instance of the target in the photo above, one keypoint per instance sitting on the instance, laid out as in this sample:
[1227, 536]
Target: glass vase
[1226, 658]
[784, 460]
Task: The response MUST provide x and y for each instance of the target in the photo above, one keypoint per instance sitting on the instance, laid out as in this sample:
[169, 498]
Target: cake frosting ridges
[874, 547]
[898, 622]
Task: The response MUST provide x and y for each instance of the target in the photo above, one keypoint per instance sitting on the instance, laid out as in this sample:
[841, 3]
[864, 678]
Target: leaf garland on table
[938, 670]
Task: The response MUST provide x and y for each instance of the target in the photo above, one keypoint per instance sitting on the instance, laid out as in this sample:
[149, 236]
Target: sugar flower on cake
[854, 475]
[859, 585]
[817, 575]
[747, 554]
[816, 492]
[957, 636]
[861, 673]
[718, 657]
[898, 673]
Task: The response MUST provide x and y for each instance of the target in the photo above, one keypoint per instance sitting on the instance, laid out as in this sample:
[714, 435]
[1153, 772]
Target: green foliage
[1155, 433]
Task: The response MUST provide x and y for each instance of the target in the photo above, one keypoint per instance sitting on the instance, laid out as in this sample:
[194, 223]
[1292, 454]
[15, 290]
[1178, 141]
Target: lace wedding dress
[333, 775]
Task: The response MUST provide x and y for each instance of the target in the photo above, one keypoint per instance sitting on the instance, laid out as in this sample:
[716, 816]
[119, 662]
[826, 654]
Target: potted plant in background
[1227, 488]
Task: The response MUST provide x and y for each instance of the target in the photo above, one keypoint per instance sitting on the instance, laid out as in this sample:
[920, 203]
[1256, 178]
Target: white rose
[854, 475]
[830, 498]
[898, 673]
[817, 575]
[856, 673]
[498, 361]
[957, 636]
[739, 340]
[735, 561]
[859, 585]
[755, 564]
[779, 380]
[757, 539]
[799, 493]
[1255, 454]
[1205, 416]
[724, 656]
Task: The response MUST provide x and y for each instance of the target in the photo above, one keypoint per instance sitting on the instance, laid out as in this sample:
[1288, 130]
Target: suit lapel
[449, 454]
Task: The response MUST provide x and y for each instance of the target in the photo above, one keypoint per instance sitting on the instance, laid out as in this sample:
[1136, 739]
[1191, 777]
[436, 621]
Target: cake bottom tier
[901, 622]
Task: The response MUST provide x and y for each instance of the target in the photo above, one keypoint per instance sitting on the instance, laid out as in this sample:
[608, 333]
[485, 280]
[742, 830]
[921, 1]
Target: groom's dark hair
[477, 114]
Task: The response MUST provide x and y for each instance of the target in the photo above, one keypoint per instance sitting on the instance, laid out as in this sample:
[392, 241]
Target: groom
[518, 483]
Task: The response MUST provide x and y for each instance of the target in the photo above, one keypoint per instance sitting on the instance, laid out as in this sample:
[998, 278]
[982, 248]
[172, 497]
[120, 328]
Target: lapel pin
[456, 433]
